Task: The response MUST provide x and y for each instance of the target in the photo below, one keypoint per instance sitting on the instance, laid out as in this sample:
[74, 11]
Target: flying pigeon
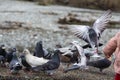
[33, 61]
[24, 63]
[51, 65]
[15, 65]
[92, 34]
[101, 64]
[41, 52]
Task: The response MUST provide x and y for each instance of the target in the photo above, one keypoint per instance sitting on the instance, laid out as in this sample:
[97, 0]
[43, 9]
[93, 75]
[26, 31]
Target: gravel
[41, 24]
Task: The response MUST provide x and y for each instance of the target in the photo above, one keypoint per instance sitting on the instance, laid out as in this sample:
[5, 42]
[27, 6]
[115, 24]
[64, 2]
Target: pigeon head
[78, 47]
[2, 50]
[40, 42]
[3, 46]
[22, 56]
[57, 51]
[74, 44]
[14, 49]
[26, 51]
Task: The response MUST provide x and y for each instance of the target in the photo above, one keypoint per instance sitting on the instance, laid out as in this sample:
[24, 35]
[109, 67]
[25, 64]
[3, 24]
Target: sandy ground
[90, 74]
[41, 23]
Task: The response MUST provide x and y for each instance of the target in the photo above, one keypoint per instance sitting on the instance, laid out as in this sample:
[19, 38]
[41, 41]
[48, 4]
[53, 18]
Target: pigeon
[68, 56]
[80, 65]
[72, 55]
[92, 34]
[81, 58]
[2, 50]
[9, 54]
[41, 52]
[33, 61]
[24, 63]
[15, 65]
[79, 49]
[101, 64]
[51, 65]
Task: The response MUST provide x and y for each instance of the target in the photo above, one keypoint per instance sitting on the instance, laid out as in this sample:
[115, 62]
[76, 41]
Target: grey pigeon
[9, 54]
[41, 52]
[101, 64]
[15, 65]
[52, 64]
[24, 63]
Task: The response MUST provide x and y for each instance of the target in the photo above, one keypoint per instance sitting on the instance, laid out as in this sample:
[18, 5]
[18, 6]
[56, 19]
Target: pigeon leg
[96, 53]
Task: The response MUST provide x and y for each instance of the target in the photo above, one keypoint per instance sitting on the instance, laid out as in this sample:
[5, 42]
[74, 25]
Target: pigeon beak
[74, 67]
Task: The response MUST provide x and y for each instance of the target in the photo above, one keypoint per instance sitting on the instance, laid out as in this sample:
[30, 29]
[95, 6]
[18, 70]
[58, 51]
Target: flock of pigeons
[43, 60]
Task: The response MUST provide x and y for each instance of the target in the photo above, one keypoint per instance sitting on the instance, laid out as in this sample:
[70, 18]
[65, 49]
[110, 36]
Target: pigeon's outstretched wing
[101, 23]
[80, 31]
